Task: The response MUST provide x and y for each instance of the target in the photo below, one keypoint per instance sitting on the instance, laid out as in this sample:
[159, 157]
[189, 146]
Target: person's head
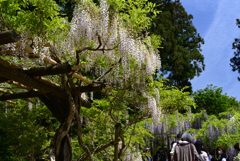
[236, 147]
[187, 137]
[221, 150]
[160, 150]
[207, 151]
[198, 146]
[213, 159]
[179, 136]
[147, 149]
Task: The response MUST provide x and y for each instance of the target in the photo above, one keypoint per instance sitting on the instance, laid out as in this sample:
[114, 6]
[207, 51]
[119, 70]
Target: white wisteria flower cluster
[131, 58]
[90, 22]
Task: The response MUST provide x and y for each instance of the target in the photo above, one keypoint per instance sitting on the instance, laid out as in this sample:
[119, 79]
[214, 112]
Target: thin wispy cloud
[217, 49]
[200, 5]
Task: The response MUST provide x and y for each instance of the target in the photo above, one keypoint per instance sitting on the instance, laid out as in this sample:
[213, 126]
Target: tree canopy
[181, 47]
[213, 100]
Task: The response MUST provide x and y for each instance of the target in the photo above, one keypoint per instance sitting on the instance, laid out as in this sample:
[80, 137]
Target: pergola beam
[53, 70]
[43, 71]
[20, 95]
[10, 93]
[8, 37]
[29, 81]
[3, 79]
[30, 94]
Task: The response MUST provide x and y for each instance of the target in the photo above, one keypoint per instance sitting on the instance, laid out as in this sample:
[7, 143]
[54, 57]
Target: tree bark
[85, 148]
[32, 153]
[117, 129]
[64, 153]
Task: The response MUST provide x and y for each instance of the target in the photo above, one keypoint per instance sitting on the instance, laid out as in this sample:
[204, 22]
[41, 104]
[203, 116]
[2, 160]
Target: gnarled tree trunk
[60, 147]
[65, 149]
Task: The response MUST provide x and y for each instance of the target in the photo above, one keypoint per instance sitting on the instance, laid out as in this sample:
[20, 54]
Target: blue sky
[215, 20]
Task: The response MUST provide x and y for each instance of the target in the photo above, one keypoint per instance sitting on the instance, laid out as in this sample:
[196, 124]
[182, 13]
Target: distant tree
[67, 8]
[213, 101]
[235, 61]
[180, 53]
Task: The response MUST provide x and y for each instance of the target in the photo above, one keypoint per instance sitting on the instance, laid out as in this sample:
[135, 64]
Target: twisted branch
[113, 65]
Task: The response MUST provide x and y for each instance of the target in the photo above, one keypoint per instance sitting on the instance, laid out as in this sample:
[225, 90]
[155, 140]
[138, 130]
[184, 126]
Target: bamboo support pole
[46, 58]
[19, 85]
[3, 91]
[21, 95]
[82, 78]
[77, 67]
[11, 102]
[47, 81]
[53, 62]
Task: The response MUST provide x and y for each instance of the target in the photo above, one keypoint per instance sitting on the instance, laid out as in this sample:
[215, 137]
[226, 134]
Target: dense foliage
[38, 18]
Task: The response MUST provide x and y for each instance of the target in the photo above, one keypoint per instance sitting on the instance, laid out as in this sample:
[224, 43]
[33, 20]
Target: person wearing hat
[179, 135]
[185, 150]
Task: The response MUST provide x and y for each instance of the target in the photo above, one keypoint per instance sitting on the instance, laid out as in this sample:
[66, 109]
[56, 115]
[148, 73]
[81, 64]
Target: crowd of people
[185, 150]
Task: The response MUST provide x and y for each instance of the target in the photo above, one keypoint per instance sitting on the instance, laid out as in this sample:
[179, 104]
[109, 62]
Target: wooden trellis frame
[32, 79]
